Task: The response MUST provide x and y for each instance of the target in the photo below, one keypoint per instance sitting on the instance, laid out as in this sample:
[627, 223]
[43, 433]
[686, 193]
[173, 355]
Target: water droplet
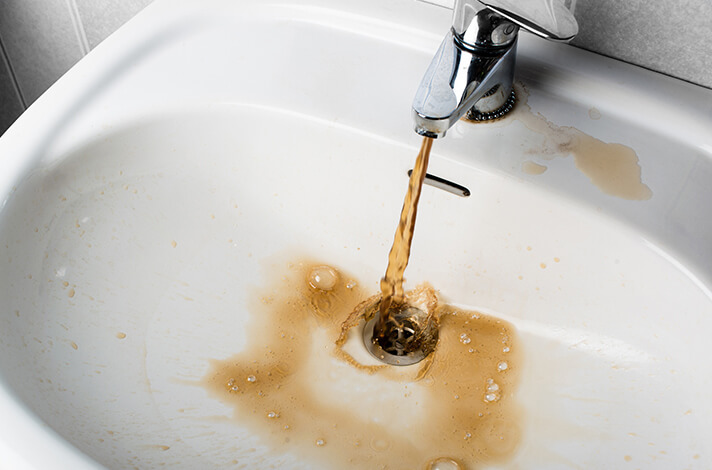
[251, 378]
[467, 435]
[320, 442]
[272, 415]
[443, 463]
[464, 339]
[505, 349]
[471, 350]
[502, 366]
[492, 387]
[234, 388]
[286, 426]
[323, 278]
[379, 444]
[351, 284]
[490, 397]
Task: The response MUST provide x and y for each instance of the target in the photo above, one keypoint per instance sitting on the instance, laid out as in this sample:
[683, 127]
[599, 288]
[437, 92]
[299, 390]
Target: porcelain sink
[206, 151]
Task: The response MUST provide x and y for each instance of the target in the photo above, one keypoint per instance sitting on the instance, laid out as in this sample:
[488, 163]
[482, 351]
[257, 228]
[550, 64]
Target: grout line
[78, 27]
[13, 77]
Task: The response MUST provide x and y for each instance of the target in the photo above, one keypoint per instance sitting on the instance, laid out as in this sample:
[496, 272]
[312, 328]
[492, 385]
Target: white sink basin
[172, 176]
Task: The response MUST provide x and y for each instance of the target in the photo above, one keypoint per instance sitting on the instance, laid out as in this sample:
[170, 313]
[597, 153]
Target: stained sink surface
[139, 258]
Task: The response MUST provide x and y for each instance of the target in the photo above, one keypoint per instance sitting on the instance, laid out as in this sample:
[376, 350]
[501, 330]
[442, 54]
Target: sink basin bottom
[141, 251]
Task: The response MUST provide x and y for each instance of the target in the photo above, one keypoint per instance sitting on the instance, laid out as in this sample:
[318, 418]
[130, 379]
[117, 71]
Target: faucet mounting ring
[477, 116]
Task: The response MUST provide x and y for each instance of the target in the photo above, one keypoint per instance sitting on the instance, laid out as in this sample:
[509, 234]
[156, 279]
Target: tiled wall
[11, 104]
[672, 37]
[42, 39]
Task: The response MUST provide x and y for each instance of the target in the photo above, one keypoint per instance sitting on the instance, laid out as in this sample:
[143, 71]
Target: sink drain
[407, 337]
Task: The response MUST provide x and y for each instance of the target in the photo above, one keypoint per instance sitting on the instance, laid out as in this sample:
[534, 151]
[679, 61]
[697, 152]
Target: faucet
[473, 70]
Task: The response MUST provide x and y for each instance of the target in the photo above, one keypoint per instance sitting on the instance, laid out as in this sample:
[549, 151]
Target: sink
[186, 166]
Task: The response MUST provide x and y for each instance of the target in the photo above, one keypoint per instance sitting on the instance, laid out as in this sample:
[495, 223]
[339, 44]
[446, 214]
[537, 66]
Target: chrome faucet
[473, 70]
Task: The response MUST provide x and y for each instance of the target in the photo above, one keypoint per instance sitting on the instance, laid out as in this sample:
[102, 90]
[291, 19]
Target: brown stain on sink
[614, 168]
[532, 168]
[295, 388]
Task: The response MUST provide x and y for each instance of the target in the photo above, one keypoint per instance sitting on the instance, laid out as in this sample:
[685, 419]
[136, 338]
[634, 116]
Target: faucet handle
[549, 19]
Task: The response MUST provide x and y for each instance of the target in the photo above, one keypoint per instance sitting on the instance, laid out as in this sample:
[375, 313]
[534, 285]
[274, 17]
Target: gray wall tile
[10, 102]
[101, 18]
[41, 42]
[674, 38]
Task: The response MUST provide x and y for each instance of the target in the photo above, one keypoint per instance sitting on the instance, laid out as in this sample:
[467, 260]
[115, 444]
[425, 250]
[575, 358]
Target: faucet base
[480, 113]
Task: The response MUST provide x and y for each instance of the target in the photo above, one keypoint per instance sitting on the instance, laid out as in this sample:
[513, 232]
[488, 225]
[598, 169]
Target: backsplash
[41, 39]
[674, 38]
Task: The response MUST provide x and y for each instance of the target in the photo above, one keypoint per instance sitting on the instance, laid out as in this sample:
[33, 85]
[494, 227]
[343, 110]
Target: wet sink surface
[153, 206]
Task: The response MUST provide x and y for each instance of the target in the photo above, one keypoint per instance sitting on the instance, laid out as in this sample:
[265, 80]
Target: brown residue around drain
[296, 389]
[612, 167]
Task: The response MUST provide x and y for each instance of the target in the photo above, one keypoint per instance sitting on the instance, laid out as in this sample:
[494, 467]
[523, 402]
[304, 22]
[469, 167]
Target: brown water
[392, 282]
[309, 398]
[305, 387]
[614, 168]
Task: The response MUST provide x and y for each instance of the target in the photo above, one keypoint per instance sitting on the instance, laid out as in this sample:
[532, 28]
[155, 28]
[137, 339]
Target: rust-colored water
[302, 390]
[392, 282]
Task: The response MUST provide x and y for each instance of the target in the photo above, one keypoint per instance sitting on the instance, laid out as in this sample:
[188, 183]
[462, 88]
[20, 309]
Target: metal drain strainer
[407, 337]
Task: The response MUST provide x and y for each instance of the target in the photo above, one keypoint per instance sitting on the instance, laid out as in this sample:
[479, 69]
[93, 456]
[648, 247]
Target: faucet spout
[463, 80]
[473, 70]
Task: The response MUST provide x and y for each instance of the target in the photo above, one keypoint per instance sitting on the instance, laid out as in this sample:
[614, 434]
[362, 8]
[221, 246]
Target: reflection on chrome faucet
[473, 70]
